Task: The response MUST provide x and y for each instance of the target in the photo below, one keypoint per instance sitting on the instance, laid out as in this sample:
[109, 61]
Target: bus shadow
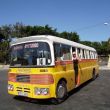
[72, 92]
[34, 101]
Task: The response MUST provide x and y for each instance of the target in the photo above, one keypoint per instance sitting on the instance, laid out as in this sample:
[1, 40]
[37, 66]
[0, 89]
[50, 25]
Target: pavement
[105, 67]
[4, 67]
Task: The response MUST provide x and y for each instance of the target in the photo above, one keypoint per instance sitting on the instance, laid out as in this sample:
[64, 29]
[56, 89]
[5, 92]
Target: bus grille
[20, 89]
[23, 78]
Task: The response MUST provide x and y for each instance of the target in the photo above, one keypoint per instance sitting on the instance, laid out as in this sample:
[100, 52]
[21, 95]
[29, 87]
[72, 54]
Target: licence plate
[22, 94]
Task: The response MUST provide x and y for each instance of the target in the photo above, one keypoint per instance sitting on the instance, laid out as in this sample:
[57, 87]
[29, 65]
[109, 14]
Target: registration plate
[22, 94]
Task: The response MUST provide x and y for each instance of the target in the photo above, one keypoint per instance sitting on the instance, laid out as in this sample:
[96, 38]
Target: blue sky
[86, 17]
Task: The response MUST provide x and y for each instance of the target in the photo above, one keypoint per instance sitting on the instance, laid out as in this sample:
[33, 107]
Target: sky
[86, 17]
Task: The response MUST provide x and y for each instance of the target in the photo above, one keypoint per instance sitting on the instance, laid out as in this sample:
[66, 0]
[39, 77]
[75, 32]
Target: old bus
[41, 67]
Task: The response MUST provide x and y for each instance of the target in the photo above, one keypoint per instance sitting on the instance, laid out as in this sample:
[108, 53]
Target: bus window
[57, 51]
[79, 52]
[66, 52]
[83, 54]
[86, 54]
[89, 54]
[73, 49]
[94, 57]
[62, 52]
[34, 53]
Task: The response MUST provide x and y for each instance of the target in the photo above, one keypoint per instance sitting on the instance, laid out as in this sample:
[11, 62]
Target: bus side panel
[64, 70]
[86, 67]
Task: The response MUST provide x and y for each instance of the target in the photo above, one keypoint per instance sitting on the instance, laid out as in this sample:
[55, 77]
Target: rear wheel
[61, 93]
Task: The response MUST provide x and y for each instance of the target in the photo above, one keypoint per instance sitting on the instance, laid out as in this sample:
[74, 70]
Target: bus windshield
[31, 54]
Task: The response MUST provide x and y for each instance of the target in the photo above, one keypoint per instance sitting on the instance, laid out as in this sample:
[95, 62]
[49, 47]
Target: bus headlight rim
[10, 87]
[41, 91]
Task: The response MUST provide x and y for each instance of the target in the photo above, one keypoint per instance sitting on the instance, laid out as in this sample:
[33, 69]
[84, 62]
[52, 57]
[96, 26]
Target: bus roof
[52, 39]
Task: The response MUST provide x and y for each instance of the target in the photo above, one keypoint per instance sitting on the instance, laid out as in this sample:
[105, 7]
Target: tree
[18, 30]
[73, 36]
[88, 43]
[2, 37]
[4, 47]
[97, 46]
[108, 47]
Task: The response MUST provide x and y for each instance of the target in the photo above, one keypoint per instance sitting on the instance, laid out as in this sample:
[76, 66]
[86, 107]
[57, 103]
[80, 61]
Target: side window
[89, 54]
[73, 49]
[92, 55]
[86, 54]
[83, 54]
[79, 52]
[66, 54]
[57, 51]
[62, 52]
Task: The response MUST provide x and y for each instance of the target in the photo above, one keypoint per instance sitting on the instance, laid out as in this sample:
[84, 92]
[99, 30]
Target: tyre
[61, 93]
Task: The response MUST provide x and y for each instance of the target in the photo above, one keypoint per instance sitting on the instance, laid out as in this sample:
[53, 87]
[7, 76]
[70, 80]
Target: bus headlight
[10, 87]
[41, 91]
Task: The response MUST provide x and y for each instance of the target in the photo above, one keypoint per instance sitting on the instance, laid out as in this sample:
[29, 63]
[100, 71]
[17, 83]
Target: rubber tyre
[61, 93]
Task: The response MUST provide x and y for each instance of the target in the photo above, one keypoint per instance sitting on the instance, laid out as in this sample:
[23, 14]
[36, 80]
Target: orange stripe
[44, 79]
[12, 77]
[63, 62]
[88, 60]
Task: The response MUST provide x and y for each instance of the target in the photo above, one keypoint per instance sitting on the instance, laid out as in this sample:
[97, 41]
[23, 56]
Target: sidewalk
[3, 67]
[105, 67]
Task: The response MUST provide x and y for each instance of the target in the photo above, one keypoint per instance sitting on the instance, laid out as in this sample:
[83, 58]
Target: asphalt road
[93, 95]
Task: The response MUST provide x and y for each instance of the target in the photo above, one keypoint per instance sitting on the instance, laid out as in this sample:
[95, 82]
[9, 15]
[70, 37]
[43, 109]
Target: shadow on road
[79, 88]
[34, 101]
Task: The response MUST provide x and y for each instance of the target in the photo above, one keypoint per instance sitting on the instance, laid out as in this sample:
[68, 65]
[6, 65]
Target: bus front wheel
[61, 93]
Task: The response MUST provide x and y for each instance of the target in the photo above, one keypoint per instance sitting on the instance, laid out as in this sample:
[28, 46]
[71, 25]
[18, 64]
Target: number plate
[22, 94]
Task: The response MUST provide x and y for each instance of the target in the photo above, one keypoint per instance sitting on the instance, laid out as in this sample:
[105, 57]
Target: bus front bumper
[31, 90]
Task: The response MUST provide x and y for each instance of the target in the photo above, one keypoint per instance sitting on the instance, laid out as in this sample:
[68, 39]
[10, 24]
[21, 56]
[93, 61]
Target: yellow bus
[41, 67]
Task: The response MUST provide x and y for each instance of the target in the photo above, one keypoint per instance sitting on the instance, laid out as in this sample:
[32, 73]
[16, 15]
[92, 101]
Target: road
[94, 95]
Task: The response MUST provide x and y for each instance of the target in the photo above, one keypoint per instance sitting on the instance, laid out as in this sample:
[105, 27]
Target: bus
[41, 67]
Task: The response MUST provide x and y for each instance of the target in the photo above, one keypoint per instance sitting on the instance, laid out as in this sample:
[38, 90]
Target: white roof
[52, 39]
